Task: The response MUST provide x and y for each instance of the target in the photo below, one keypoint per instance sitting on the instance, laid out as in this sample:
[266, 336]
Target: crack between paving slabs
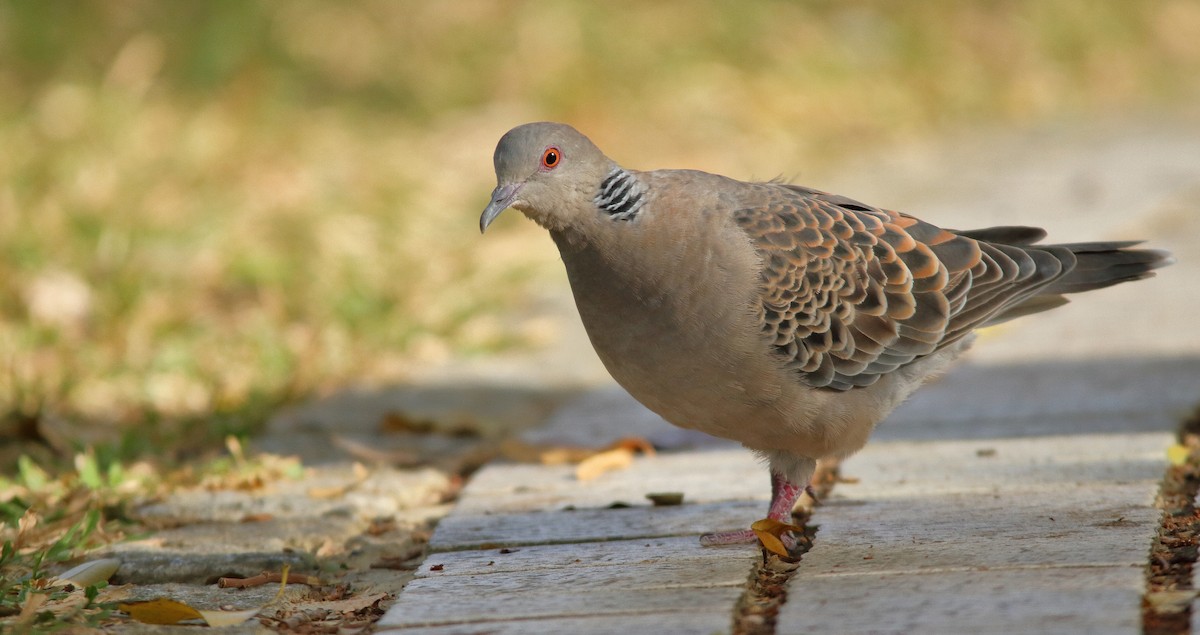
[1170, 592]
[756, 611]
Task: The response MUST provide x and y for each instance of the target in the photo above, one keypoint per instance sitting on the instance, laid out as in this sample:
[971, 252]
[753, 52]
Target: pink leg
[783, 498]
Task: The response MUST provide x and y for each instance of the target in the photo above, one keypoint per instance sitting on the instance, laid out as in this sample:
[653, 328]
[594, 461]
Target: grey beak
[502, 197]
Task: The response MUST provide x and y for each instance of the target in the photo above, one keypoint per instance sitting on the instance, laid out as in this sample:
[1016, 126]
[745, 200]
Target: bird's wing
[851, 292]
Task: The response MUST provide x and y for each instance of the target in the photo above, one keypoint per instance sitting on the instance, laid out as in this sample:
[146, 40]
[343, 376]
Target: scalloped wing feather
[851, 292]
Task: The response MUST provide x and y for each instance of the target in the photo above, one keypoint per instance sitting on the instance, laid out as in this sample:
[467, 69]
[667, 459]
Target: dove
[782, 317]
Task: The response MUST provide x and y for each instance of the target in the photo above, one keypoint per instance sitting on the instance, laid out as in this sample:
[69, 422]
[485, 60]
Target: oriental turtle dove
[779, 316]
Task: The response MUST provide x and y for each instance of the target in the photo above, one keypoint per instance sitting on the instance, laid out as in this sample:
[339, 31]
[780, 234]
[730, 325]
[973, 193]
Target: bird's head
[545, 170]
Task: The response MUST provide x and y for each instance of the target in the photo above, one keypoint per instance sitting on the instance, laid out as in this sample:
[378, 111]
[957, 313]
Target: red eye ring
[551, 157]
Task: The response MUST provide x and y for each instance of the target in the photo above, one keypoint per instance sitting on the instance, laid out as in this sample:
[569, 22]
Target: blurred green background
[208, 209]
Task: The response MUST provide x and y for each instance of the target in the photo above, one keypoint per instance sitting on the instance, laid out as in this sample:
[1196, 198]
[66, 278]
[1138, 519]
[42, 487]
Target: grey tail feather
[1103, 264]
[1096, 264]
[1088, 266]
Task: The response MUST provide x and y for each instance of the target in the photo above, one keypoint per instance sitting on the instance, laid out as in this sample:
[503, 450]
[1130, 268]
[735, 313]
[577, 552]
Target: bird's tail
[1086, 266]
[1103, 264]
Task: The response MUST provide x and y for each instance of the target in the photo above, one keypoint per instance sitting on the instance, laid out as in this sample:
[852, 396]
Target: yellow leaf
[769, 532]
[607, 461]
[634, 444]
[168, 611]
[774, 527]
[330, 492]
[1178, 454]
[160, 611]
[772, 544]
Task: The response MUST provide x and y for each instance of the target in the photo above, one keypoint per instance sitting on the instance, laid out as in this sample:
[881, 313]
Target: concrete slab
[436, 605]
[619, 553]
[902, 470]
[1019, 535]
[670, 622]
[641, 565]
[1049, 600]
[976, 523]
[1080, 525]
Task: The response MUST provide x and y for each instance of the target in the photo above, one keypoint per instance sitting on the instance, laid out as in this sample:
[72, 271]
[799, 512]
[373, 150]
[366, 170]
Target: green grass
[23, 574]
[48, 520]
[211, 209]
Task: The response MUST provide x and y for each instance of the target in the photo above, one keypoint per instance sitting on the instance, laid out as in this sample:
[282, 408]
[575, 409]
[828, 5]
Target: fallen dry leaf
[261, 517]
[348, 605]
[563, 455]
[166, 611]
[546, 454]
[329, 548]
[607, 461]
[160, 611]
[1178, 454]
[633, 444]
[66, 608]
[461, 425]
[1171, 601]
[770, 532]
[25, 525]
[361, 474]
[402, 422]
[330, 492]
[380, 526]
[551, 454]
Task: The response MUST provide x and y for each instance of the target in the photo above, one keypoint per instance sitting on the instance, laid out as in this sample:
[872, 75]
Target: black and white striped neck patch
[621, 195]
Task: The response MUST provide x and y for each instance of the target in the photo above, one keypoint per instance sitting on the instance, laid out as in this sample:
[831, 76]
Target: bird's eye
[550, 158]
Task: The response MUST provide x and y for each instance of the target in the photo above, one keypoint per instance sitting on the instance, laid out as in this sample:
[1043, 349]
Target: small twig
[267, 577]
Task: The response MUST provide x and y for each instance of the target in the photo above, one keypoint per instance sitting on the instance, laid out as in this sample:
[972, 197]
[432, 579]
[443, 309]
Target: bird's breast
[673, 320]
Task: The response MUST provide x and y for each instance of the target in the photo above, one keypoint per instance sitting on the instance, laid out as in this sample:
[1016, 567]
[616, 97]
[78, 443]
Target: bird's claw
[743, 537]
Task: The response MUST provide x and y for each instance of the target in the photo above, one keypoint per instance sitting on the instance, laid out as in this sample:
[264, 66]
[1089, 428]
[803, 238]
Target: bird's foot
[783, 497]
[743, 537]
